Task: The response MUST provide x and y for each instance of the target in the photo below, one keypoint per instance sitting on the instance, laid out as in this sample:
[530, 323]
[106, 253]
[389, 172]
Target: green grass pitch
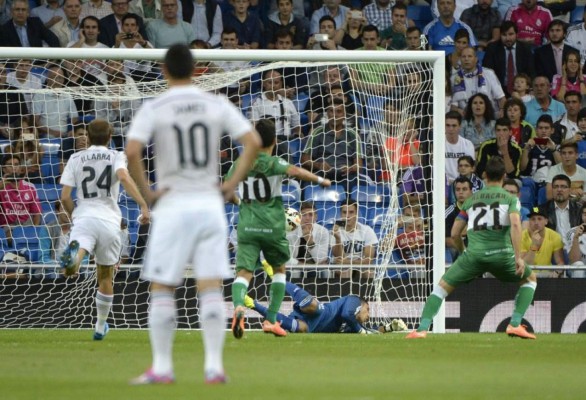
[67, 364]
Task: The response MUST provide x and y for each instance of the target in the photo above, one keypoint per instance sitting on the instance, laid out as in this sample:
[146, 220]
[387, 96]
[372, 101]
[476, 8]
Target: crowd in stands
[515, 88]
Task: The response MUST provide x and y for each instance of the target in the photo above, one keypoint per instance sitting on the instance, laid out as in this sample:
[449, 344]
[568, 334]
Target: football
[293, 219]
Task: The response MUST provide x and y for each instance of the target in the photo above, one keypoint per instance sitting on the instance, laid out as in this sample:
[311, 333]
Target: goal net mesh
[383, 126]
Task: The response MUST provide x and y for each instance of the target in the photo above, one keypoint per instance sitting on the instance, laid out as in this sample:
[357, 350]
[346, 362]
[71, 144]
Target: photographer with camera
[130, 38]
[26, 145]
[540, 152]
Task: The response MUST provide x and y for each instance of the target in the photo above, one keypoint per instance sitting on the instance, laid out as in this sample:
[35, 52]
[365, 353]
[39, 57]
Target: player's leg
[104, 299]
[82, 241]
[276, 253]
[287, 322]
[211, 263]
[303, 301]
[107, 254]
[246, 260]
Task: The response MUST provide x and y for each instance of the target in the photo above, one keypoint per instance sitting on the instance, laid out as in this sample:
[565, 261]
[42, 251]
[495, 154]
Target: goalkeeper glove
[396, 325]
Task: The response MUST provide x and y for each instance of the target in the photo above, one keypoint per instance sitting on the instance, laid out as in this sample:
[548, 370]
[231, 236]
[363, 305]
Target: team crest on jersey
[27, 196]
[538, 22]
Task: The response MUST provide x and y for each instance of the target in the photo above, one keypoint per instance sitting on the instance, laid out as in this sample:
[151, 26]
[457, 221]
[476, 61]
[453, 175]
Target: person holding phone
[540, 152]
[353, 243]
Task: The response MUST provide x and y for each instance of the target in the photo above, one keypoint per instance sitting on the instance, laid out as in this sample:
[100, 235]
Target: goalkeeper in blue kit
[348, 314]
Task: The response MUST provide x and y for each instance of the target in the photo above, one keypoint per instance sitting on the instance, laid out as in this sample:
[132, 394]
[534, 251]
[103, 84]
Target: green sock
[239, 290]
[432, 305]
[277, 293]
[523, 299]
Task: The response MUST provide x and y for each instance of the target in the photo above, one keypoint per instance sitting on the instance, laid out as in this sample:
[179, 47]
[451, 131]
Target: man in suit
[497, 53]
[111, 25]
[67, 30]
[548, 58]
[25, 31]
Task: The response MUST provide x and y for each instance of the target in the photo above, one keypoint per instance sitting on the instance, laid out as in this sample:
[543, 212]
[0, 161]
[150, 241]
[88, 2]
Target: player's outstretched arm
[251, 142]
[457, 228]
[66, 200]
[132, 190]
[307, 176]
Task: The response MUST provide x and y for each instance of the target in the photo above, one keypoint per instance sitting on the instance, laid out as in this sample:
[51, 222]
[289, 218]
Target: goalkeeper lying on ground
[347, 314]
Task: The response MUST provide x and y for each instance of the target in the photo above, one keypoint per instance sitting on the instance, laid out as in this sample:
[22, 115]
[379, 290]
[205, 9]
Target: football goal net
[364, 119]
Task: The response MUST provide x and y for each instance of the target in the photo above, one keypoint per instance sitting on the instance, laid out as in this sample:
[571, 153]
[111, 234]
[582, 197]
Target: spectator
[440, 32]
[511, 186]
[88, 38]
[246, 24]
[350, 35]
[147, 10]
[273, 104]
[577, 36]
[353, 243]
[501, 146]
[332, 9]
[542, 102]
[334, 149]
[25, 31]
[522, 88]
[321, 81]
[540, 153]
[394, 37]
[76, 76]
[230, 41]
[325, 40]
[410, 242]
[111, 25]
[549, 58]
[509, 57]
[67, 30]
[413, 38]
[566, 128]
[462, 190]
[370, 79]
[284, 19]
[74, 143]
[575, 246]
[560, 10]
[466, 166]
[571, 78]
[532, 22]
[461, 42]
[130, 38]
[49, 13]
[485, 22]
[402, 146]
[5, 13]
[379, 13]
[563, 211]
[460, 6]
[540, 244]
[412, 187]
[472, 78]
[317, 114]
[26, 145]
[12, 104]
[205, 17]
[22, 78]
[456, 145]
[295, 78]
[521, 130]
[478, 123]
[96, 8]
[568, 167]
[54, 110]
[170, 29]
[19, 202]
[309, 243]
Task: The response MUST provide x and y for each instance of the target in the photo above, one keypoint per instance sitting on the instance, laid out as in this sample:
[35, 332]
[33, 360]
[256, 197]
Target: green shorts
[274, 246]
[470, 266]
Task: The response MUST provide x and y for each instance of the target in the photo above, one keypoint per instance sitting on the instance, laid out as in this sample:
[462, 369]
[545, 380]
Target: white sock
[213, 322]
[162, 316]
[103, 305]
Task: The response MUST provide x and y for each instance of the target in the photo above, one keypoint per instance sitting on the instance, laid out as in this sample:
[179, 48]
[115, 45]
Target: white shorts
[186, 231]
[98, 237]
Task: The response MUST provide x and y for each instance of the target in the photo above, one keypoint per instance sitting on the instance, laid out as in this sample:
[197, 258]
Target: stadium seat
[541, 196]
[50, 171]
[369, 198]
[326, 201]
[34, 241]
[528, 194]
[374, 110]
[295, 151]
[291, 195]
[48, 192]
[300, 101]
[577, 15]
[421, 15]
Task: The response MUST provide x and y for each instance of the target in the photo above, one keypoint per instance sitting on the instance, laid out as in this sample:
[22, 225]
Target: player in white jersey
[97, 173]
[189, 225]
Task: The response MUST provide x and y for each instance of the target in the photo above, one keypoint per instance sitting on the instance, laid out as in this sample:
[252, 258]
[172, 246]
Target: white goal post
[14, 294]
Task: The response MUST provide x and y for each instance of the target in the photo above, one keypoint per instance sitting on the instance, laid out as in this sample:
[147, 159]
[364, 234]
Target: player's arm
[305, 175]
[516, 232]
[131, 188]
[67, 200]
[251, 142]
[456, 234]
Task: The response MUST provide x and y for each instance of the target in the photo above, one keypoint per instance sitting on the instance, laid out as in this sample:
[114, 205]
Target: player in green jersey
[262, 227]
[492, 219]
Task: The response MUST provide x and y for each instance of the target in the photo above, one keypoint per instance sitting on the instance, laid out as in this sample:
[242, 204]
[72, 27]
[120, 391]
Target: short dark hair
[560, 23]
[350, 202]
[99, 132]
[513, 101]
[9, 156]
[454, 115]
[307, 204]
[370, 28]
[467, 158]
[462, 179]
[571, 93]
[506, 25]
[545, 118]
[495, 169]
[179, 61]
[266, 129]
[229, 30]
[572, 145]
[327, 18]
[130, 16]
[503, 121]
[462, 33]
[511, 182]
[562, 177]
[90, 18]
[399, 6]
[412, 28]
